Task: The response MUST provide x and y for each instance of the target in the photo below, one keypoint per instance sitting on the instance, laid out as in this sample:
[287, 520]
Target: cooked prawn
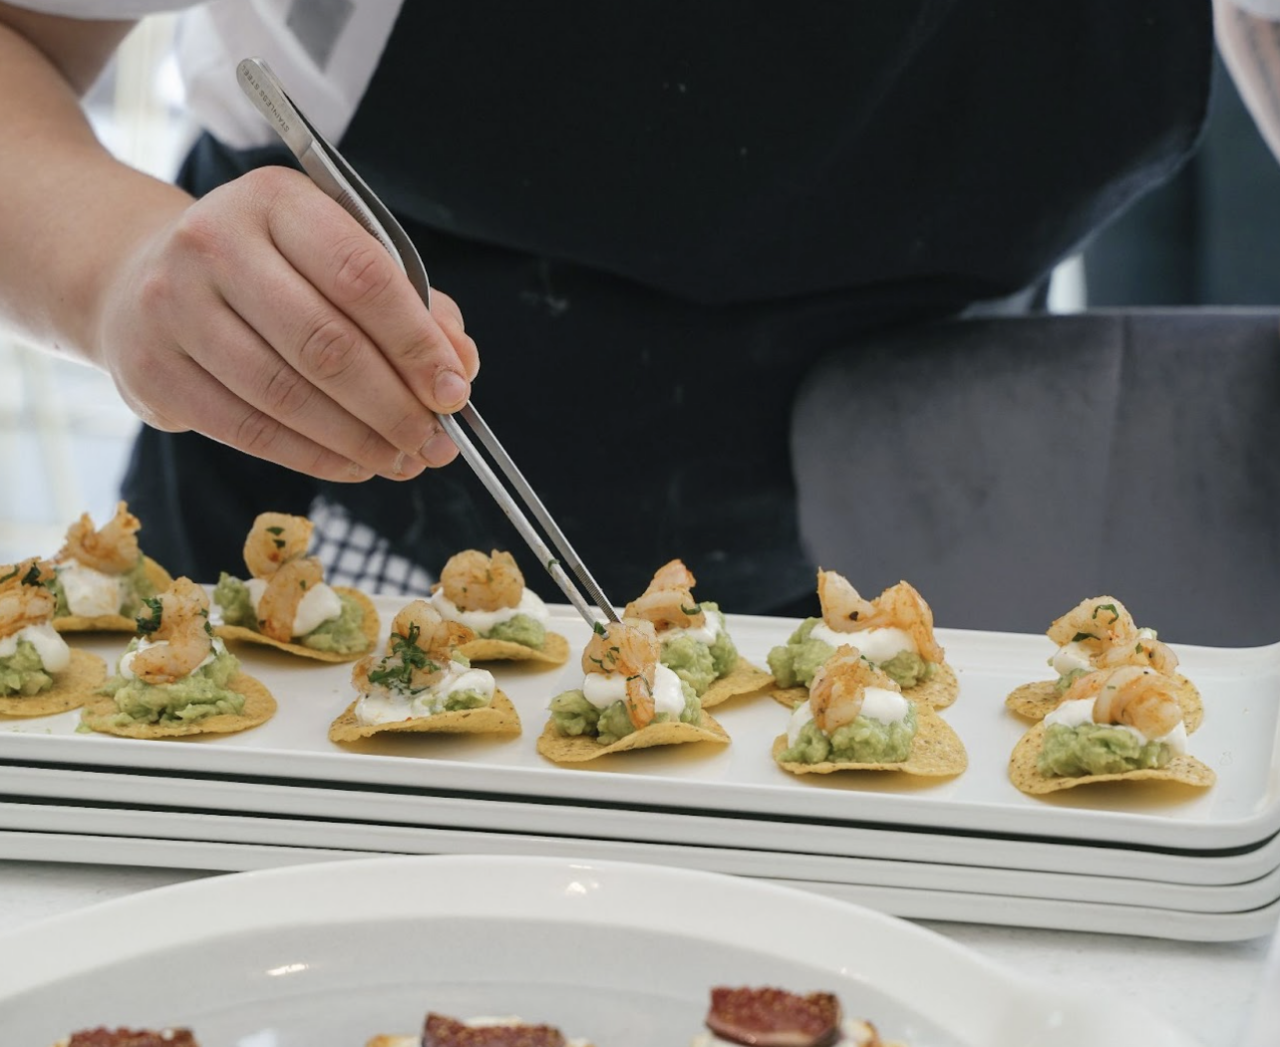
[1099, 623]
[179, 628]
[668, 601]
[111, 550]
[842, 607]
[475, 582]
[274, 540]
[838, 687]
[898, 607]
[285, 589]
[629, 648]
[418, 627]
[1144, 651]
[1131, 695]
[24, 599]
[436, 635]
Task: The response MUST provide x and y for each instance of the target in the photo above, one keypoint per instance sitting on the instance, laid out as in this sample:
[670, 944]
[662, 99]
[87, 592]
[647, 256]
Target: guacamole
[23, 672]
[340, 635]
[863, 741]
[699, 664]
[573, 715]
[1068, 678]
[907, 669]
[794, 664]
[522, 629]
[135, 587]
[232, 595]
[196, 697]
[1097, 748]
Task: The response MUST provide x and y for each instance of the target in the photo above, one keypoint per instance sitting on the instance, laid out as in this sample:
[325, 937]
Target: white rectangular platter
[909, 903]
[1239, 740]
[236, 830]
[413, 808]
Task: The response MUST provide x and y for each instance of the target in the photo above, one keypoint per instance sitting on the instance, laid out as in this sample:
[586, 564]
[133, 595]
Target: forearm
[1250, 47]
[68, 210]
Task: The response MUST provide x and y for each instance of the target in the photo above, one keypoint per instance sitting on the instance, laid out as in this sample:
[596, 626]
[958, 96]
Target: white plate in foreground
[327, 955]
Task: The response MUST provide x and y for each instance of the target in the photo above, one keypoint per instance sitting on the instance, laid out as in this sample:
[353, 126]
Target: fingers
[333, 361]
[204, 404]
[351, 270]
[279, 391]
[266, 318]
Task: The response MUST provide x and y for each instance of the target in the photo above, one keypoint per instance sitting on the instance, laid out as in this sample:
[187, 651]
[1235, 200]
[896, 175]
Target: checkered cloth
[355, 555]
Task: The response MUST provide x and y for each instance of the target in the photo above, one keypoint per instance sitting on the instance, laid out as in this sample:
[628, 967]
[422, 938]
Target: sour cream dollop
[603, 689]
[90, 593]
[1070, 657]
[1079, 711]
[878, 703]
[125, 667]
[875, 645]
[319, 605]
[482, 621]
[390, 705]
[49, 645]
[705, 633]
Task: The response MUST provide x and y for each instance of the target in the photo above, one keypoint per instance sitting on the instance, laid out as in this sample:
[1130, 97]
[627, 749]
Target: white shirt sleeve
[103, 9]
[1269, 9]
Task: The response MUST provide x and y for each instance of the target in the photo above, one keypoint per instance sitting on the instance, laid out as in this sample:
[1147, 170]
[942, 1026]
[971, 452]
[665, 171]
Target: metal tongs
[336, 177]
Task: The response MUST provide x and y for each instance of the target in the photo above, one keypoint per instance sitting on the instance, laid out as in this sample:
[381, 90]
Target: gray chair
[1010, 467]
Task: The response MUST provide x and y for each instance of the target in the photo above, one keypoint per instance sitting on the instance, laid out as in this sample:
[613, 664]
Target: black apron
[657, 217]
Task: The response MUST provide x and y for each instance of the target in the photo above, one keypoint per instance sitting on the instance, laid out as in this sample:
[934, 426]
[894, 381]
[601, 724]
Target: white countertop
[1209, 988]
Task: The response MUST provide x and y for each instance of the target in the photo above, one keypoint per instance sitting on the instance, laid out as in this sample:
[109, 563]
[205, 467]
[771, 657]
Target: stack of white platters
[1132, 858]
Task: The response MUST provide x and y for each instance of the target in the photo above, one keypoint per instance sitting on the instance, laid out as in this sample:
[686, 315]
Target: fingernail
[438, 450]
[398, 468]
[450, 389]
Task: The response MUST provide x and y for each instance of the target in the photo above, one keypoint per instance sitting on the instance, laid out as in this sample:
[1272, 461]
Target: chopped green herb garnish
[411, 657]
[1082, 636]
[150, 623]
[32, 577]
[598, 629]
[11, 574]
[275, 530]
[1115, 615]
[278, 542]
[695, 609]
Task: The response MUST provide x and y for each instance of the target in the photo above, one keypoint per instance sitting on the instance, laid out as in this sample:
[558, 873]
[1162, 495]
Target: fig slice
[774, 1017]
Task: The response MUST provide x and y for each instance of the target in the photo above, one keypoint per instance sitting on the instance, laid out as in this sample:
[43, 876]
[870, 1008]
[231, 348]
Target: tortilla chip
[1037, 700]
[499, 717]
[936, 752]
[1023, 772]
[115, 623]
[581, 748]
[744, 678]
[790, 696]
[370, 627]
[554, 652]
[259, 707]
[939, 691]
[72, 688]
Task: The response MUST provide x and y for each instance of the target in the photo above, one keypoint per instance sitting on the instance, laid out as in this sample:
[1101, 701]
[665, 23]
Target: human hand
[265, 317]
